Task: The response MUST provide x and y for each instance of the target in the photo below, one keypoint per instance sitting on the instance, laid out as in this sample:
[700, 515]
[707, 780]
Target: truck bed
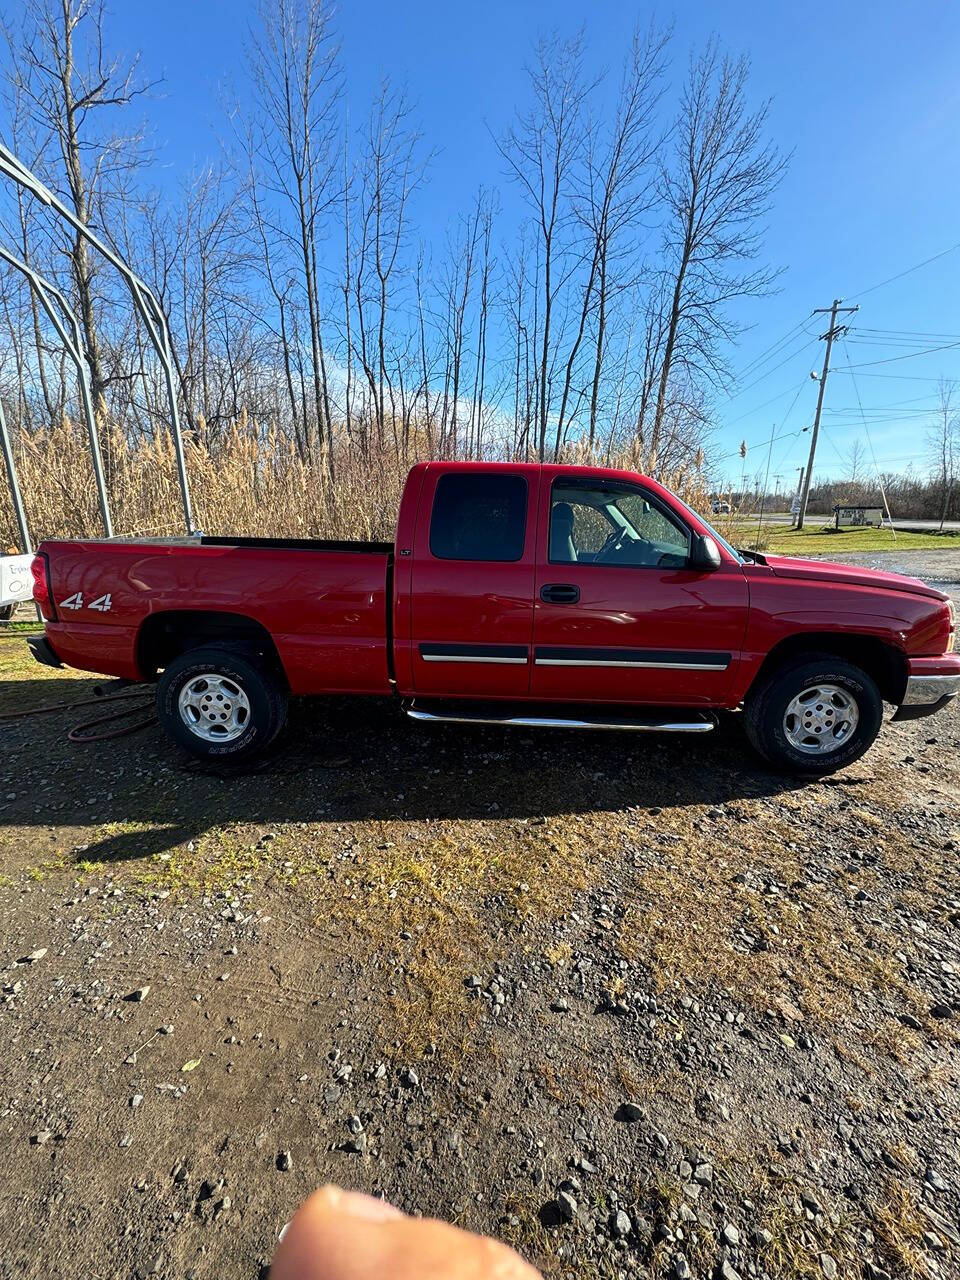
[302, 544]
[324, 604]
[228, 540]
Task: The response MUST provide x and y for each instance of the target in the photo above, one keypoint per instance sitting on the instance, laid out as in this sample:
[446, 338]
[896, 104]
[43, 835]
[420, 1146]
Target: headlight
[952, 641]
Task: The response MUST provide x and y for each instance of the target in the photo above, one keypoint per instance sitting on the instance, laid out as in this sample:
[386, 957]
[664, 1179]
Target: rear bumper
[42, 650]
[931, 684]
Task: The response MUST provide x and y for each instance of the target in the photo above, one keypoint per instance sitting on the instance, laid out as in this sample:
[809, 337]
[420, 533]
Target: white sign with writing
[859, 515]
[16, 580]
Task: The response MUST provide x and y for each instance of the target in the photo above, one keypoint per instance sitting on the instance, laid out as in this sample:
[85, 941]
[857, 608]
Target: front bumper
[931, 684]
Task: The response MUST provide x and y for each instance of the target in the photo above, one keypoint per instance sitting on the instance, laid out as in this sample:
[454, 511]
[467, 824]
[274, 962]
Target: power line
[829, 439]
[908, 333]
[748, 369]
[900, 377]
[892, 404]
[900, 274]
[898, 338]
[776, 431]
[911, 355]
[897, 344]
[758, 444]
[837, 415]
[786, 453]
[766, 374]
[766, 478]
[876, 465]
[756, 409]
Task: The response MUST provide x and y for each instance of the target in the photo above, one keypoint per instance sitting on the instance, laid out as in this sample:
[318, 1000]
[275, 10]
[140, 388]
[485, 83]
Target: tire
[775, 724]
[230, 717]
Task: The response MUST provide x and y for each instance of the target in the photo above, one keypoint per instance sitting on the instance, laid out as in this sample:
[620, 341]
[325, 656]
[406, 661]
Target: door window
[613, 524]
[479, 517]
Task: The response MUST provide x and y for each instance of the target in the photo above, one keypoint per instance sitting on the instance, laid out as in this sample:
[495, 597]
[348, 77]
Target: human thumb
[343, 1235]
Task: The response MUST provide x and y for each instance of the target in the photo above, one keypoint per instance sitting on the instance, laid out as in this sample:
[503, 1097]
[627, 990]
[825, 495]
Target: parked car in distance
[513, 594]
[720, 508]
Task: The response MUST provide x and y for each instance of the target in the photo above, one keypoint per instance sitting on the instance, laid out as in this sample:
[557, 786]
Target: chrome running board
[697, 722]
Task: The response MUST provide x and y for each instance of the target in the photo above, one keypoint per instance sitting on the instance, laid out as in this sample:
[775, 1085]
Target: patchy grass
[420, 909]
[26, 627]
[412, 896]
[816, 539]
[900, 1227]
[739, 911]
[26, 683]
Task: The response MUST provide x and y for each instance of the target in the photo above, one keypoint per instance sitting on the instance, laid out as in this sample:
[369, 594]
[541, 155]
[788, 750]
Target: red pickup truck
[516, 594]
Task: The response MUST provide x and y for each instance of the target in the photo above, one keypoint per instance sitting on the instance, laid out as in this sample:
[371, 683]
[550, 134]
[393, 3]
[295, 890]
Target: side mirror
[704, 554]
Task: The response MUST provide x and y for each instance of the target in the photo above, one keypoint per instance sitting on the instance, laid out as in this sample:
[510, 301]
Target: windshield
[740, 559]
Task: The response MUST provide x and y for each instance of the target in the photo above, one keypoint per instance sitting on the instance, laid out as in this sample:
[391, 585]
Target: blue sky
[866, 95]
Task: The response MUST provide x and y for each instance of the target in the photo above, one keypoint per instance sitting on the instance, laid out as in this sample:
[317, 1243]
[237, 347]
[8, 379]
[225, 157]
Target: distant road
[915, 526]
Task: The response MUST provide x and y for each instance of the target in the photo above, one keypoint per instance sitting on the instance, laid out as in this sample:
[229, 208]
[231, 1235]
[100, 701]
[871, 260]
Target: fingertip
[314, 1243]
[345, 1235]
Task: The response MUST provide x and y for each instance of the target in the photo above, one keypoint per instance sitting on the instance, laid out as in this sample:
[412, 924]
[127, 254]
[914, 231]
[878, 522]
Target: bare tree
[460, 276]
[426, 364]
[544, 153]
[716, 192]
[200, 266]
[68, 82]
[302, 303]
[856, 457]
[475, 444]
[389, 172]
[391, 169]
[617, 193]
[943, 441]
[294, 65]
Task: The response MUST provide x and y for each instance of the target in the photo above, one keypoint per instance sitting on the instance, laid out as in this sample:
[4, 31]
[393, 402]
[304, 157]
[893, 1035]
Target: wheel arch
[884, 663]
[167, 634]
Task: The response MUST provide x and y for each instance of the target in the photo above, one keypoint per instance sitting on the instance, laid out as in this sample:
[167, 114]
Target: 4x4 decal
[102, 604]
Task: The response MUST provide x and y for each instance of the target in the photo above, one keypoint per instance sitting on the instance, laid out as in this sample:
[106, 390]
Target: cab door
[624, 618]
[472, 581]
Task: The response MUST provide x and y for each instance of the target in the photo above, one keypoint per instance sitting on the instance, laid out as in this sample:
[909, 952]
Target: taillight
[40, 568]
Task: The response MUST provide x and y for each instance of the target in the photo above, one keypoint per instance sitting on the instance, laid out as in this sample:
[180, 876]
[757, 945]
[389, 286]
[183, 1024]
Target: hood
[849, 575]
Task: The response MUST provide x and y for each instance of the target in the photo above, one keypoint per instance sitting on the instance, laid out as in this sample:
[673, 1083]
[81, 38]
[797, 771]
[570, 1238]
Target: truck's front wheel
[220, 704]
[814, 715]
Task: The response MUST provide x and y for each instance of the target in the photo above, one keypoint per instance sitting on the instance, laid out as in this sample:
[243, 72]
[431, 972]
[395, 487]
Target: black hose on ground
[81, 732]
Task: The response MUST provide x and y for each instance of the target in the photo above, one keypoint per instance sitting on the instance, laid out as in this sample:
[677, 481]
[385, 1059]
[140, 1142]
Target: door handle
[559, 593]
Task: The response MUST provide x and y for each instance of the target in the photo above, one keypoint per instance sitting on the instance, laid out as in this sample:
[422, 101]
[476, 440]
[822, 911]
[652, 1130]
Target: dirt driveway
[638, 1007]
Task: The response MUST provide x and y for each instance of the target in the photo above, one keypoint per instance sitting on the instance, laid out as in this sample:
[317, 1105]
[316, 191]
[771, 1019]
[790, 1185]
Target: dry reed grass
[248, 481]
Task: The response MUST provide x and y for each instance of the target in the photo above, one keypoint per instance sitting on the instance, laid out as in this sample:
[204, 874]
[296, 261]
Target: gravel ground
[639, 1008]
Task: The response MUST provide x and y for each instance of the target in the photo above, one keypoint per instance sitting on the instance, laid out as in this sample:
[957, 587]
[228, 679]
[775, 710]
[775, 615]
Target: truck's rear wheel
[815, 715]
[221, 704]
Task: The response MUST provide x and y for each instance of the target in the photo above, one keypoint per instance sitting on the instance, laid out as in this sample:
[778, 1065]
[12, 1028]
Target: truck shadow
[346, 761]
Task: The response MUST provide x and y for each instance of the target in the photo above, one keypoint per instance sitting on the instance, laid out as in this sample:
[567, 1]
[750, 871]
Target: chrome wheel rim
[214, 707]
[820, 719]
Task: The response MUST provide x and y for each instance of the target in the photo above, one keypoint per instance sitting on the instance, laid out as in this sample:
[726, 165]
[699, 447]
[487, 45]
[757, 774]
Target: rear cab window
[479, 516]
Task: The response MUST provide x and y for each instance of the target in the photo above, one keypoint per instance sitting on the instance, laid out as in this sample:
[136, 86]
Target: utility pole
[833, 332]
[795, 504]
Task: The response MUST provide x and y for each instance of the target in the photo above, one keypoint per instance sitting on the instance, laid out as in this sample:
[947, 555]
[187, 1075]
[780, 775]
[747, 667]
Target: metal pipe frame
[149, 310]
[69, 335]
[15, 497]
